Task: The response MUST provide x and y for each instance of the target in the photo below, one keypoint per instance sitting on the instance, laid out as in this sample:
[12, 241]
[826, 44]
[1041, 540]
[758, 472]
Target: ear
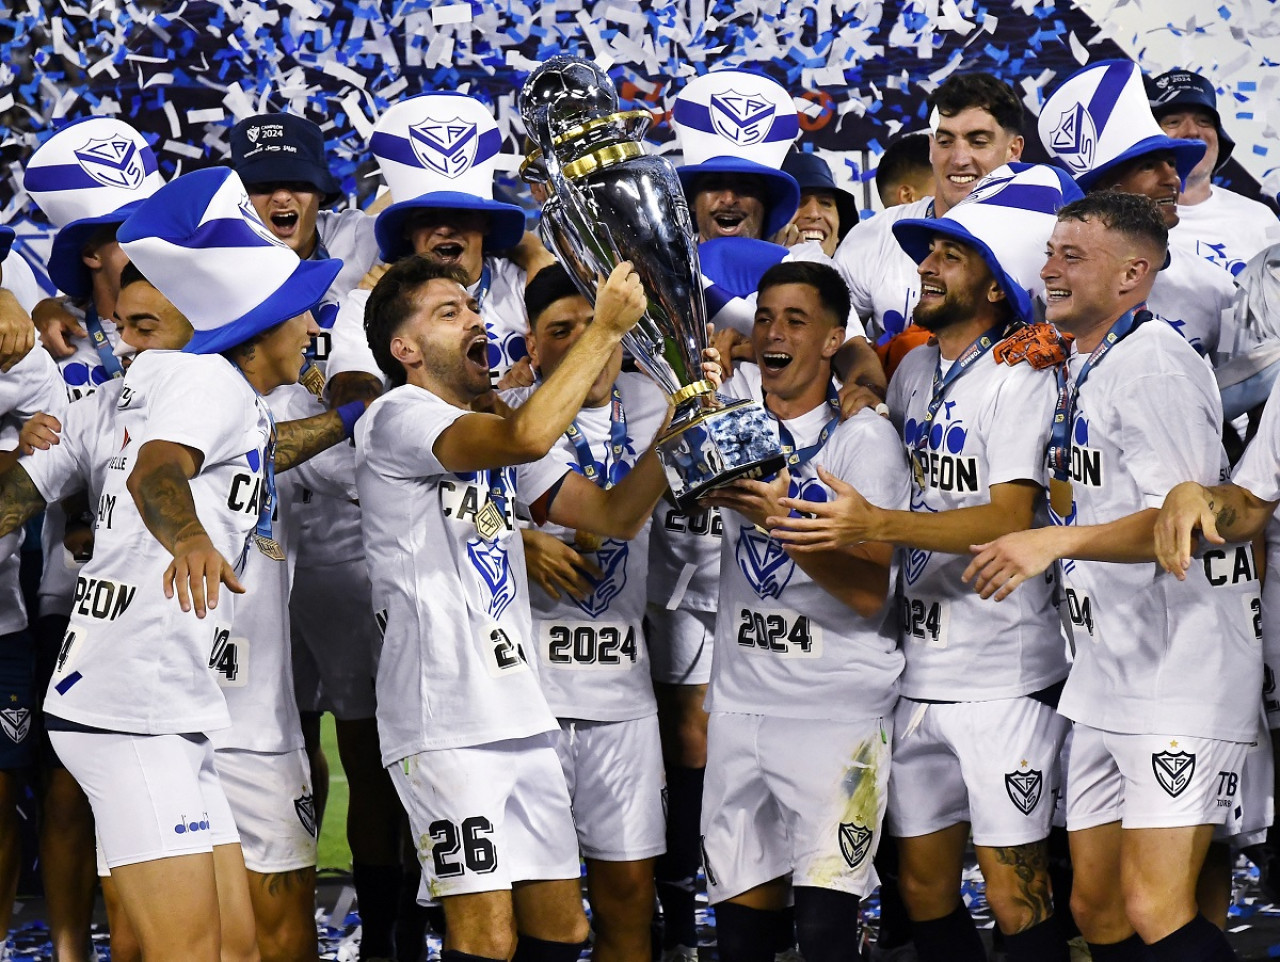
[995, 293]
[1015, 147]
[906, 194]
[531, 344]
[835, 340]
[1136, 272]
[91, 259]
[404, 350]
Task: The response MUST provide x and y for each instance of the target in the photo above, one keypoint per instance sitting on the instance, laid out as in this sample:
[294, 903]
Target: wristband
[350, 413]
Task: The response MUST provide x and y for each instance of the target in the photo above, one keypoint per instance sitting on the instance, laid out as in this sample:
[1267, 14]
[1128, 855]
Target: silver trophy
[608, 202]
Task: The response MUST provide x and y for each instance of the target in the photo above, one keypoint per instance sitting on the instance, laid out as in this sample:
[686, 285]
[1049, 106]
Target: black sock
[377, 899]
[676, 872]
[412, 919]
[827, 924]
[453, 955]
[1043, 942]
[529, 949]
[1197, 941]
[1061, 877]
[952, 938]
[895, 924]
[1132, 949]
[750, 935]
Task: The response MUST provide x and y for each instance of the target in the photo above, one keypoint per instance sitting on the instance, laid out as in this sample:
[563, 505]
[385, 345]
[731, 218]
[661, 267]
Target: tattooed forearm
[1029, 894]
[297, 441]
[19, 499]
[163, 496]
[1223, 515]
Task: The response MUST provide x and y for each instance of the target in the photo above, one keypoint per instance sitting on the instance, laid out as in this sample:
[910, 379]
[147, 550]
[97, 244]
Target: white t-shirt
[592, 659]
[1154, 655]
[30, 386]
[20, 279]
[1227, 230]
[1191, 295]
[684, 557]
[132, 660]
[503, 313]
[882, 278]
[348, 235]
[992, 428]
[455, 668]
[784, 646]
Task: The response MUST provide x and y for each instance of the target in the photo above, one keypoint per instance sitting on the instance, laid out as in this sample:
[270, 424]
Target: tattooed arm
[1225, 512]
[303, 439]
[161, 489]
[19, 499]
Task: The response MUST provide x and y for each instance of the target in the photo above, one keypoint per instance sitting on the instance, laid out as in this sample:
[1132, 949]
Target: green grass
[334, 853]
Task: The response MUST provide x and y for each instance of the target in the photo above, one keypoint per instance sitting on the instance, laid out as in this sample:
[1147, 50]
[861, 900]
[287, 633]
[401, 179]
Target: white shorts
[1151, 781]
[680, 644]
[335, 640]
[271, 799]
[153, 796]
[993, 764]
[798, 796]
[615, 778]
[488, 815]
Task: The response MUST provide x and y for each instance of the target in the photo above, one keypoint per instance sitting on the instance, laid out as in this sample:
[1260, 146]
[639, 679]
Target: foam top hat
[1180, 89]
[199, 240]
[1007, 218]
[90, 174]
[1099, 118]
[737, 122]
[439, 150]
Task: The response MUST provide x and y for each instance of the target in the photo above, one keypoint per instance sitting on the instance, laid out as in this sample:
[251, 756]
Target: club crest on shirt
[446, 146]
[612, 559]
[1173, 770]
[742, 118]
[855, 842]
[112, 162]
[767, 567]
[1074, 139]
[1025, 789]
[16, 722]
[305, 806]
[916, 562]
[493, 574]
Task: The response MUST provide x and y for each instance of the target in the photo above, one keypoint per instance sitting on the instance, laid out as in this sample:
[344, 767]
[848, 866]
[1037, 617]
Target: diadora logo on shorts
[1075, 140]
[186, 825]
[855, 842]
[305, 806]
[1025, 787]
[112, 162]
[767, 567]
[446, 146]
[1173, 770]
[612, 559]
[743, 118]
[16, 723]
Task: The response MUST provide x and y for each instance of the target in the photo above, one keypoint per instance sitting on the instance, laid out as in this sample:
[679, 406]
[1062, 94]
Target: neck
[258, 379]
[1089, 336]
[940, 206]
[1196, 191]
[955, 338]
[309, 248]
[813, 395]
[458, 397]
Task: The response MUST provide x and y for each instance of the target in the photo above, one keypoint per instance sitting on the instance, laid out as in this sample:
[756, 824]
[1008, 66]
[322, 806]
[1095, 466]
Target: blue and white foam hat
[200, 242]
[738, 122]
[440, 150]
[1099, 118]
[1007, 218]
[89, 174]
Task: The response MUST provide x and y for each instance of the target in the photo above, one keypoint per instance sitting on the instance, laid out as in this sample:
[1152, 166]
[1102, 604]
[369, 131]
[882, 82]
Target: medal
[587, 542]
[1061, 498]
[311, 378]
[269, 547]
[917, 468]
[490, 521]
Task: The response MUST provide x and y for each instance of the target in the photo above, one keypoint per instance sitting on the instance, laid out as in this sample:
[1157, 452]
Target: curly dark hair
[961, 91]
[1136, 216]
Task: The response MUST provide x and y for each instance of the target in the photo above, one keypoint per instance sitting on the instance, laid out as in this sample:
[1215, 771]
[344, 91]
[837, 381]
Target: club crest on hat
[742, 118]
[1074, 139]
[446, 146]
[112, 162]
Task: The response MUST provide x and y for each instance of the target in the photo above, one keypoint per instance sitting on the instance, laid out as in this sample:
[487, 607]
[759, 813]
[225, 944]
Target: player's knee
[290, 940]
[927, 895]
[1155, 911]
[626, 899]
[1094, 908]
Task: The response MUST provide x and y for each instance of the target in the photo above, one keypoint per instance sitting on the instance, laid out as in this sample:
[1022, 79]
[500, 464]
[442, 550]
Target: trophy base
[716, 446]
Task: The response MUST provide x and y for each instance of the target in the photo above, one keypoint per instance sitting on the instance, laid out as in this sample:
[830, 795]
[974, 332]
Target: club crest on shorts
[855, 842]
[612, 559]
[1173, 770]
[1025, 789]
[493, 569]
[446, 146]
[112, 162]
[744, 119]
[16, 723]
[768, 568]
[305, 806]
[1074, 139]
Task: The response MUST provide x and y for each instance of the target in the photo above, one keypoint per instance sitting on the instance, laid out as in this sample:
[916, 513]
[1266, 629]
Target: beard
[954, 309]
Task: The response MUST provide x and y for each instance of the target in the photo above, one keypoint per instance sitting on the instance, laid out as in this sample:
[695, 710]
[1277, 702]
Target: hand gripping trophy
[607, 202]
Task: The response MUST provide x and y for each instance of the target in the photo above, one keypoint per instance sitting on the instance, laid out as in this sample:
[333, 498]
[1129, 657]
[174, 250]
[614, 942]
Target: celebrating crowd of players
[394, 466]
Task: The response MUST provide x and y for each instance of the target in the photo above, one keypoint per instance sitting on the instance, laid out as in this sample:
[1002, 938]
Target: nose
[1169, 174]
[312, 327]
[929, 265]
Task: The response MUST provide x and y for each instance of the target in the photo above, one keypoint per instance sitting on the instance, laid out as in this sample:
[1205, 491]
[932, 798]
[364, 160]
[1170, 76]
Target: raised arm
[619, 512]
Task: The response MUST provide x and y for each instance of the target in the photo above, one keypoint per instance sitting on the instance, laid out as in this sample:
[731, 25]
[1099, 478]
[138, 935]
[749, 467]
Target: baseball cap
[1179, 89]
[813, 173]
[278, 148]
[200, 242]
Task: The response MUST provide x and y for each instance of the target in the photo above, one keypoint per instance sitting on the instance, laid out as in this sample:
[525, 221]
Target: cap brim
[847, 208]
[506, 221]
[914, 235]
[783, 191]
[300, 293]
[66, 264]
[7, 235]
[274, 169]
[1186, 154]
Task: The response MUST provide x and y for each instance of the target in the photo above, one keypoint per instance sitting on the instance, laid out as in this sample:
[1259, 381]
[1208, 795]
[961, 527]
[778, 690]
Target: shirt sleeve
[855, 259]
[1170, 432]
[397, 436]
[221, 426]
[866, 453]
[32, 385]
[349, 348]
[1018, 425]
[64, 468]
[1259, 468]
[536, 478]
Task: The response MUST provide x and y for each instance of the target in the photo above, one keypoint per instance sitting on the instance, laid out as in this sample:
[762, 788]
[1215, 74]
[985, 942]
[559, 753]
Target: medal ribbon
[971, 356]
[617, 444]
[1065, 411]
[261, 534]
[797, 458]
[110, 363]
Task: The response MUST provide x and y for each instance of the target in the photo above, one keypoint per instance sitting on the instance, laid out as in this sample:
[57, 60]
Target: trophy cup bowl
[608, 202]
